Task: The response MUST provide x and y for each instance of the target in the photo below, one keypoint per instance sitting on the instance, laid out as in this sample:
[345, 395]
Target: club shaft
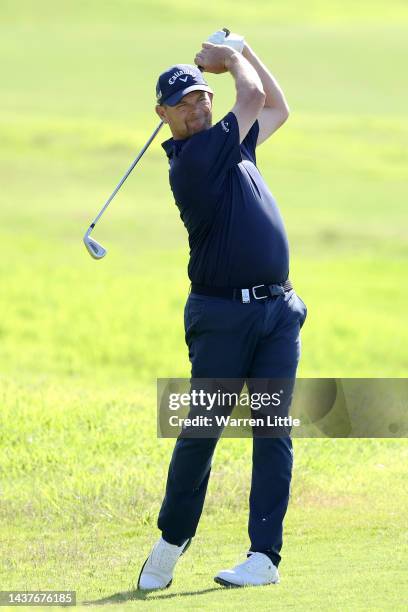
[123, 179]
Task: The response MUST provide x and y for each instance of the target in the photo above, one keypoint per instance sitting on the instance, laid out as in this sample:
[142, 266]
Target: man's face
[191, 115]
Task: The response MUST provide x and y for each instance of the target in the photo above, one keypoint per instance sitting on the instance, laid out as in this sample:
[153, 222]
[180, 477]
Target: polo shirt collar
[173, 147]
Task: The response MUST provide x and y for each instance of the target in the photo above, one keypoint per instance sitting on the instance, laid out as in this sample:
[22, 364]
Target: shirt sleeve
[211, 153]
[248, 145]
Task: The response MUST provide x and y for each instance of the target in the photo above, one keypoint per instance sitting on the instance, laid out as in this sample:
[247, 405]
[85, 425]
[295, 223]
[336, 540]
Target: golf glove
[234, 40]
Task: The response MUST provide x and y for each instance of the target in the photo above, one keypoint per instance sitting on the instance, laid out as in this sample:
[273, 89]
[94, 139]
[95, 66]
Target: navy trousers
[230, 339]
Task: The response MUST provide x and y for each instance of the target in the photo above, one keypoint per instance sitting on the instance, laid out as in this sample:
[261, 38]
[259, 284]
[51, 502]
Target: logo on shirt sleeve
[224, 125]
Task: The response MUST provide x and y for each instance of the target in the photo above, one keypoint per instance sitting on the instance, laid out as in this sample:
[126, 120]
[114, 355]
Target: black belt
[258, 292]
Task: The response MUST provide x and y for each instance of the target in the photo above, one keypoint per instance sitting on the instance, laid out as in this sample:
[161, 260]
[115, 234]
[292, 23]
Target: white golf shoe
[256, 570]
[157, 570]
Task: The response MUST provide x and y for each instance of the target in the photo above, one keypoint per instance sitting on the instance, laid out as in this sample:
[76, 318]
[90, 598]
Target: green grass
[85, 479]
[82, 342]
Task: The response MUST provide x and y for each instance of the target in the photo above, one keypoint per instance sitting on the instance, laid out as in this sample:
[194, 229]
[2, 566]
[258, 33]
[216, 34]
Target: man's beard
[204, 126]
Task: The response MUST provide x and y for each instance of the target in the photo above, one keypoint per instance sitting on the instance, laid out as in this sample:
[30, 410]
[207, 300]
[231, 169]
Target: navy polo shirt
[236, 234]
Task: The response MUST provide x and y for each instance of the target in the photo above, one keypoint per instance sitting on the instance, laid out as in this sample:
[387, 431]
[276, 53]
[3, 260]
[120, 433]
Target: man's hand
[236, 41]
[214, 58]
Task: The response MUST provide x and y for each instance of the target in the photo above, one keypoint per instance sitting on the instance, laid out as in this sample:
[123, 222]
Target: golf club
[96, 250]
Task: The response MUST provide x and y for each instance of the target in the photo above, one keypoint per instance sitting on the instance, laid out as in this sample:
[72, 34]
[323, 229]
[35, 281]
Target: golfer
[242, 317]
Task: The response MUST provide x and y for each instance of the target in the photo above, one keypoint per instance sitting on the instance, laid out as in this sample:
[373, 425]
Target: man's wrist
[246, 51]
[231, 59]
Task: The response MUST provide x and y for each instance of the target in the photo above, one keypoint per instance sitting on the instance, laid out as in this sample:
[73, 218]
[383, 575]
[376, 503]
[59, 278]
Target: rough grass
[83, 479]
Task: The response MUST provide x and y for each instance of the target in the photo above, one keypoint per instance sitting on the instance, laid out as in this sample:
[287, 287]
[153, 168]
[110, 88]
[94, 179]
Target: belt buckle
[261, 297]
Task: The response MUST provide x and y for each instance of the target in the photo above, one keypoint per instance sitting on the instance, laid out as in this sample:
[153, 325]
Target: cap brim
[176, 97]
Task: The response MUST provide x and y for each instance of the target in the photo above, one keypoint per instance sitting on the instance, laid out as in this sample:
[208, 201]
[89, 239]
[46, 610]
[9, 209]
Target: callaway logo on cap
[178, 81]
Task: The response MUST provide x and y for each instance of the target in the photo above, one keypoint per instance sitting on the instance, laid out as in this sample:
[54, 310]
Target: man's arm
[250, 96]
[275, 110]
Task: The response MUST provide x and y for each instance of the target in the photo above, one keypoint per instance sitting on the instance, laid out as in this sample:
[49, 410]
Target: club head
[95, 249]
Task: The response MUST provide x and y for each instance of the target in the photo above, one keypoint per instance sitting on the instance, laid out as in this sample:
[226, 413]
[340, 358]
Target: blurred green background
[77, 103]
[82, 341]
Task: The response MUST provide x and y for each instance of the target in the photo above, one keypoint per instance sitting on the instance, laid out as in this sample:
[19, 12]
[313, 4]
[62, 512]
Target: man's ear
[161, 112]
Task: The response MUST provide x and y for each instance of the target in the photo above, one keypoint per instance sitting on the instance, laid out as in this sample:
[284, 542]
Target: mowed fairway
[82, 472]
